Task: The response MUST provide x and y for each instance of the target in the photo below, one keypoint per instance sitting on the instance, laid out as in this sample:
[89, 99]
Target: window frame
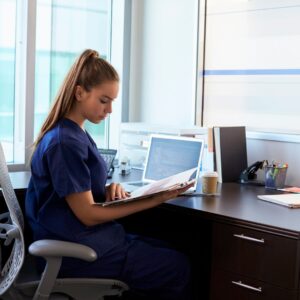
[25, 79]
[258, 133]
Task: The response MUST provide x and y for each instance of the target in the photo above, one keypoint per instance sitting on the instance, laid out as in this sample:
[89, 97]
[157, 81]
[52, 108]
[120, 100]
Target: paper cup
[209, 182]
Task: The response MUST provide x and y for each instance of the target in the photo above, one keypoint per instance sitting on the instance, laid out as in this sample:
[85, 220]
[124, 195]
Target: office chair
[19, 279]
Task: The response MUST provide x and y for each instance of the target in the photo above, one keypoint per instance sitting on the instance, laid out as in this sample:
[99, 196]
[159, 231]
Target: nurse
[69, 178]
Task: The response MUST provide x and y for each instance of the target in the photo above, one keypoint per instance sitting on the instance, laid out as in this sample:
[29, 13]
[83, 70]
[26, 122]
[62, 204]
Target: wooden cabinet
[253, 264]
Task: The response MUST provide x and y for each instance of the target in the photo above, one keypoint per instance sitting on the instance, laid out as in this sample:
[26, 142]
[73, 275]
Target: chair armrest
[53, 251]
[55, 248]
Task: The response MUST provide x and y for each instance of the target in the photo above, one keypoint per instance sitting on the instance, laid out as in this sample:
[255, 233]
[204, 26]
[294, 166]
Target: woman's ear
[78, 92]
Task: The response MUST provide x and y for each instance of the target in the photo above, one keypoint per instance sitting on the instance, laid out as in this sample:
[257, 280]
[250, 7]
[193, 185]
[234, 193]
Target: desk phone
[108, 155]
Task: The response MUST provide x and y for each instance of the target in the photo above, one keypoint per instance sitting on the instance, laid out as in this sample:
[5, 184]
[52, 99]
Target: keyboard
[108, 155]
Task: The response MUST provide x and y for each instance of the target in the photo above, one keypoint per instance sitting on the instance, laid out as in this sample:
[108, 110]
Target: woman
[69, 178]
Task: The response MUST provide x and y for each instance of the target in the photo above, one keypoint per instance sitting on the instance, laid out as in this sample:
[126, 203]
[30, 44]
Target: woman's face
[96, 104]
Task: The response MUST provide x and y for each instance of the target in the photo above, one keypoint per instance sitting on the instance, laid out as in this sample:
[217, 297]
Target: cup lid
[210, 174]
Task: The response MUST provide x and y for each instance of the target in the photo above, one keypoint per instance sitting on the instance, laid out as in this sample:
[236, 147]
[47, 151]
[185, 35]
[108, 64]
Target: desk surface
[237, 202]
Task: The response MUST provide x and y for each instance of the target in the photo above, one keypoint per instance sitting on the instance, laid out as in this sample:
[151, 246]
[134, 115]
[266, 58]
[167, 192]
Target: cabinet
[253, 264]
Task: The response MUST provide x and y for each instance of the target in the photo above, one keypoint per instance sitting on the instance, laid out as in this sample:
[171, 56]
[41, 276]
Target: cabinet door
[256, 254]
[228, 286]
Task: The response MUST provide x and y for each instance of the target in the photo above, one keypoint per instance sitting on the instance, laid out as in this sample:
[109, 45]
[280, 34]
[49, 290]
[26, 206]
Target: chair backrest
[11, 229]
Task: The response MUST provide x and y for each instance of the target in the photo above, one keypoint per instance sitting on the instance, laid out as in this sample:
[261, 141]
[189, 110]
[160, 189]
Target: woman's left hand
[115, 191]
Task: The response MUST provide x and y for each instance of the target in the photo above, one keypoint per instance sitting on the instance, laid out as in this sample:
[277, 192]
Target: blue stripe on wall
[252, 10]
[251, 72]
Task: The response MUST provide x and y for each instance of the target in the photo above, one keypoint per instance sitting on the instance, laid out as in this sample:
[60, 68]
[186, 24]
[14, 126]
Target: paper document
[156, 187]
[290, 200]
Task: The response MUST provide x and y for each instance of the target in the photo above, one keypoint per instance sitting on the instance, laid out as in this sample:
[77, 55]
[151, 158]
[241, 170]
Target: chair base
[73, 288]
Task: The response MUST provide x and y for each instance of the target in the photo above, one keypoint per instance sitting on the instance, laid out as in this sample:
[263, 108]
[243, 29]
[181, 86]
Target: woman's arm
[89, 213]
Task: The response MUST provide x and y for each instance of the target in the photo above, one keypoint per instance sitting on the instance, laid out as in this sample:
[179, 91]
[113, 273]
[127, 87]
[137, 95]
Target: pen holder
[275, 177]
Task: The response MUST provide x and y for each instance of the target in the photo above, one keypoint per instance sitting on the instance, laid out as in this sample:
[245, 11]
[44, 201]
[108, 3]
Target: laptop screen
[169, 155]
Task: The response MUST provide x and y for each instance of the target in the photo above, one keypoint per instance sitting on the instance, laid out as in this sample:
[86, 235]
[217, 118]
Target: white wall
[163, 62]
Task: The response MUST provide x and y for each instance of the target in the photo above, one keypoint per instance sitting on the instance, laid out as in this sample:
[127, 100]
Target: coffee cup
[209, 182]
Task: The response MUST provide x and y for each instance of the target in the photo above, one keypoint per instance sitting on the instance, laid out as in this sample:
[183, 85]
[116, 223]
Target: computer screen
[169, 155]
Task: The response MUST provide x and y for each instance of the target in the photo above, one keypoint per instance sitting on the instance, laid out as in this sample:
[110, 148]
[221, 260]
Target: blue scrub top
[67, 161]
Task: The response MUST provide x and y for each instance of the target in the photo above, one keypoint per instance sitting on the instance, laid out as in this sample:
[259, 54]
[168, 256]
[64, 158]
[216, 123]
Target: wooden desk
[251, 247]
[254, 244]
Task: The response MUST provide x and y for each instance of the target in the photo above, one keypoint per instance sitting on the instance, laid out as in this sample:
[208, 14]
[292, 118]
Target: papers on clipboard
[290, 200]
[170, 183]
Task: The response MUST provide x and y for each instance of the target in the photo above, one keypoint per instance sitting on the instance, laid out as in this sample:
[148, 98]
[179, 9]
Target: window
[35, 56]
[8, 13]
[252, 66]
[64, 29]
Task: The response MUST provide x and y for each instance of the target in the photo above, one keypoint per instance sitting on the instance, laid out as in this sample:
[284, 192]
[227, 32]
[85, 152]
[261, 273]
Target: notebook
[167, 156]
[290, 200]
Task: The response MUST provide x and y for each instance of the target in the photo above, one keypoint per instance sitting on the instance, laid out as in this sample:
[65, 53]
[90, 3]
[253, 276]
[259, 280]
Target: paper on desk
[290, 200]
[169, 183]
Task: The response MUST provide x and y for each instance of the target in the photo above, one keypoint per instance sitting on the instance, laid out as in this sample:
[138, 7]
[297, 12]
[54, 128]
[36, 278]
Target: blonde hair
[88, 71]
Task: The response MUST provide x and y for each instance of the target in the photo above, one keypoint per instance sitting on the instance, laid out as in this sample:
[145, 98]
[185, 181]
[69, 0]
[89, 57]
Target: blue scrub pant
[156, 270]
[148, 266]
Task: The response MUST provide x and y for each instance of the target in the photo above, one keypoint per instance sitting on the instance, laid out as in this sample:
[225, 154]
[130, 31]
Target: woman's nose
[109, 108]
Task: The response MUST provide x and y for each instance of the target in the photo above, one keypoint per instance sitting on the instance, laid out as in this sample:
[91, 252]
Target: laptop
[168, 155]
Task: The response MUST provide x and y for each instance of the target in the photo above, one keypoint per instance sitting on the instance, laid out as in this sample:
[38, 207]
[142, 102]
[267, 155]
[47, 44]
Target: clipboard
[130, 199]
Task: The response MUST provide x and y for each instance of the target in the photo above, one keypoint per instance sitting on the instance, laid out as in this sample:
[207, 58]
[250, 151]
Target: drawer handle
[248, 238]
[246, 286]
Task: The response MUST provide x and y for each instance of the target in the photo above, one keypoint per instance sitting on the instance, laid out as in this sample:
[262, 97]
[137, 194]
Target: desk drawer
[229, 286]
[256, 254]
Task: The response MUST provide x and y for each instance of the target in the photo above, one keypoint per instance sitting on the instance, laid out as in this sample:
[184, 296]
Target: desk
[255, 244]
[252, 247]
